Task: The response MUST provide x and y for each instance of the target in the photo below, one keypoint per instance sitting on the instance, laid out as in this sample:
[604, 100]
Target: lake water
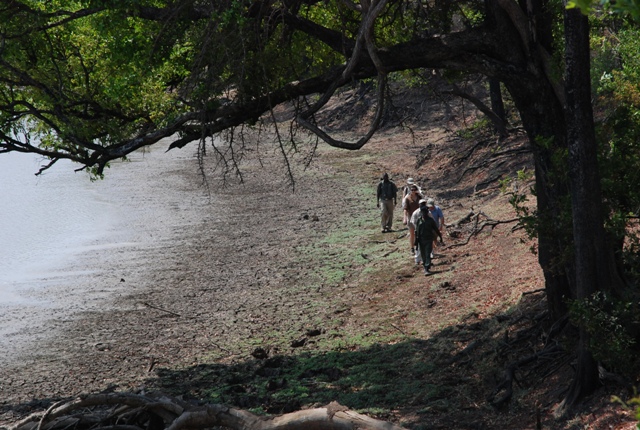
[45, 220]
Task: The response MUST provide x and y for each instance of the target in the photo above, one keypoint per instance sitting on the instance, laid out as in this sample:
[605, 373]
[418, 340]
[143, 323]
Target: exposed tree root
[503, 392]
[124, 411]
[549, 351]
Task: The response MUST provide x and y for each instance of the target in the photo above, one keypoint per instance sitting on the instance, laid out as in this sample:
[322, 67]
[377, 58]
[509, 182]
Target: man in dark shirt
[387, 194]
[426, 232]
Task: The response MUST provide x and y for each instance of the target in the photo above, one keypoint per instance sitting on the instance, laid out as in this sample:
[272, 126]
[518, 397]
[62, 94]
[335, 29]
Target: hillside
[280, 300]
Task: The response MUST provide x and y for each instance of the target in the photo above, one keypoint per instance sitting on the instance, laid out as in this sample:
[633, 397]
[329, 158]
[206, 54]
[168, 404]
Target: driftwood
[124, 411]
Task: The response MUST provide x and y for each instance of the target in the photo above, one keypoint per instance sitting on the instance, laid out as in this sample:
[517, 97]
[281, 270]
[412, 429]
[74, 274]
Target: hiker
[409, 204]
[426, 233]
[438, 217]
[387, 193]
[406, 190]
[413, 220]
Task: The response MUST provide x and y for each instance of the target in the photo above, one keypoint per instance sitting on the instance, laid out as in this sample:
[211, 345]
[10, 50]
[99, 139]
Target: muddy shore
[196, 272]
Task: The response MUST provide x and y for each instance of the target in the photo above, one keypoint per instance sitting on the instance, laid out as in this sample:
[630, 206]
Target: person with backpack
[426, 233]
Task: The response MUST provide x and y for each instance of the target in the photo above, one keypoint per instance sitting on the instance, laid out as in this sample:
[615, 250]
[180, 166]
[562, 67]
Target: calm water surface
[45, 220]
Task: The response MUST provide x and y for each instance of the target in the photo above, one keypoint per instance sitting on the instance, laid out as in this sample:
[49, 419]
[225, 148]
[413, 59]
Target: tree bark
[592, 272]
[542, 113]
[497, 106]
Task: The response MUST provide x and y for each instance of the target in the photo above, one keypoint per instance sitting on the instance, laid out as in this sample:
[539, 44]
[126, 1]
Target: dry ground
[277, 299]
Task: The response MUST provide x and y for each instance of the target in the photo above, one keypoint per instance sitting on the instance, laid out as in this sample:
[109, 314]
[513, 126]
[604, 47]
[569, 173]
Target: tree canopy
[94, 80]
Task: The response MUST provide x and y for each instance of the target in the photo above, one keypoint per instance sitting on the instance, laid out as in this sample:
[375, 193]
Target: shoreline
[89, 275]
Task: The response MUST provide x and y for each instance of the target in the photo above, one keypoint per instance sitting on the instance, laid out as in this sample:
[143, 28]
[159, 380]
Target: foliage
[476, 128]
[607, 319]
[519, 200]
[84, 82]
[624, 7]
[617, 91]
[631, 404]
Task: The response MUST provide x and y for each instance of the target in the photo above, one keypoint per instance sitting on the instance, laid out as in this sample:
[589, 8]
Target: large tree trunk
[541, 110]
[542, 117]
[592, 270]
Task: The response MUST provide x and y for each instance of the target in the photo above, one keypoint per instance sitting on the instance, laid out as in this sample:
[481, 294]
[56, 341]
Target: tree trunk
[542, 113]
[592, 270]
[542, 118]
[497, 105]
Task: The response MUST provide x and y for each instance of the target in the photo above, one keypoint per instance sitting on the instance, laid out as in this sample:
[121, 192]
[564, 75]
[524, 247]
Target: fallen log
[126, 411]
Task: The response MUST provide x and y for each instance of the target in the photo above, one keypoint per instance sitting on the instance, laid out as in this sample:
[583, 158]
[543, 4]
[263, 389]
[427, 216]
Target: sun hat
[430, 203]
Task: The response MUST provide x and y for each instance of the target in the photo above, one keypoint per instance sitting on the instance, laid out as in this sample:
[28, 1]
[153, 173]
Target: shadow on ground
[444, 380]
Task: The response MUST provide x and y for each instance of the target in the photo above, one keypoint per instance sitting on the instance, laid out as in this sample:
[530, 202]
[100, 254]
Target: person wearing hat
[387, 193]
[409, 205]
[437, 215]
[426, 233]
[413, 220]
[406, 190]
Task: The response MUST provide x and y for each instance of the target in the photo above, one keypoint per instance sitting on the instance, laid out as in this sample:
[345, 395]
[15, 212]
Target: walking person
[438, 217]
[410, 203]
[387, 193]
[426, 233]
[413, 220]
[406, 190]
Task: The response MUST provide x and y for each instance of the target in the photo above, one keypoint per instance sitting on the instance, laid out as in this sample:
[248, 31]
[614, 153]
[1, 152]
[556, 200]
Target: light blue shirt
[437, 215]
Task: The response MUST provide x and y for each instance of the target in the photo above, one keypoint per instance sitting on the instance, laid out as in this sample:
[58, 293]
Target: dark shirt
[426, 230]
[387, 191]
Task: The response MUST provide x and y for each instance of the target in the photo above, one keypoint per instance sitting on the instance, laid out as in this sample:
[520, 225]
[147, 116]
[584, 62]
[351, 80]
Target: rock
[260, 353]
[314, 332]
[299, 342]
